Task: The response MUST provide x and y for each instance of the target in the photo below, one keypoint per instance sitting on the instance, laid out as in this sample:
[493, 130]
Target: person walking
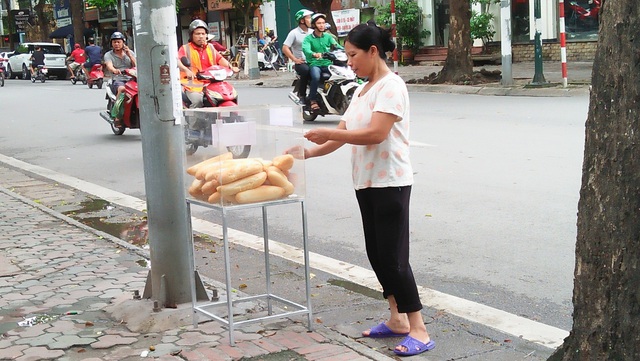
[376, 125]
[313, 47]
[292, 49]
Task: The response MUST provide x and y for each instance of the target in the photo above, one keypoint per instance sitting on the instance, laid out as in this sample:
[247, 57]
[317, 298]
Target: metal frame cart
[207, 309]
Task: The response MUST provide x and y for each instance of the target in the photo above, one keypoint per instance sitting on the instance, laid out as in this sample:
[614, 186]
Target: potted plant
[408, 24]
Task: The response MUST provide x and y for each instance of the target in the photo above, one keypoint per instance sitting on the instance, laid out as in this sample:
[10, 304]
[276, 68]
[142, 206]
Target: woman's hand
[318, 135]
[298, 152]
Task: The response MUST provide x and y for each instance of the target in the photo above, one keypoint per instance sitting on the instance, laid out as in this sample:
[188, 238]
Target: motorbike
[217, 92]
[2, 72]
[96, 76]
[41, 74]
[269, 57]
[79, 76]
[586, 15]
[130, 107]
[334, 91]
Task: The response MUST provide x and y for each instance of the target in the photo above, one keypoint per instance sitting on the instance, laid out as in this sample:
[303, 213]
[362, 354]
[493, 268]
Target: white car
[5, 55]
[54, 60]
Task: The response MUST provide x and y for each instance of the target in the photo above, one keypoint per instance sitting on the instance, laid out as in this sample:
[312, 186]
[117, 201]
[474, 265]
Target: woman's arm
[375, 133]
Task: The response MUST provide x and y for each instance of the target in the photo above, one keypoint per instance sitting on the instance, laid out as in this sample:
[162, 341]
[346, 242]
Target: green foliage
[102, 3]
[482, 26]
[408, 22]
[482, 22]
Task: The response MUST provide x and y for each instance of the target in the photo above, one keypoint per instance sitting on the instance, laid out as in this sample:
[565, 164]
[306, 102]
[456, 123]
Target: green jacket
[323, 44]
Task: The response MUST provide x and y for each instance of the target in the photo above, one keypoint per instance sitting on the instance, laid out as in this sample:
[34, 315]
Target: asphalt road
[493, 206]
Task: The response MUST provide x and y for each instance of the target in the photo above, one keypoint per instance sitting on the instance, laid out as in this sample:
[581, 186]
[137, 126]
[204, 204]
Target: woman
[377, 125]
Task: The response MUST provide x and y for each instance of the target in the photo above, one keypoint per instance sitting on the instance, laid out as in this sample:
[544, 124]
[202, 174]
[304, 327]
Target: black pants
[303, 73]
[385, 219]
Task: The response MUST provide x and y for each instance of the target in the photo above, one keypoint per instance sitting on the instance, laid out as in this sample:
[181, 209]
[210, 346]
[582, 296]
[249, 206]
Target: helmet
[77, 46]
[302, 13]
[197, 23]
[117, 35]
[317, 16]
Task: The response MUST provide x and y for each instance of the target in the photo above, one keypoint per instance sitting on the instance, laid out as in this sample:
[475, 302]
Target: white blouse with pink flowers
[386, 164]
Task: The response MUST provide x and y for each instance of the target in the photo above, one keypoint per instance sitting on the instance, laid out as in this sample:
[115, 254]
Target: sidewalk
[579, 78]
[75, 284]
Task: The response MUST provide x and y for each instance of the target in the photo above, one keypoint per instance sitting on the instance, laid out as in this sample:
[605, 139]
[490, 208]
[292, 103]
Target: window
[581, 19]
[520, 20]
[52, 49]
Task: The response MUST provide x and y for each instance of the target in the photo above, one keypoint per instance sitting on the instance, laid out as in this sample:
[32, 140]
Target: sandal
[314, 106]
[117, 123]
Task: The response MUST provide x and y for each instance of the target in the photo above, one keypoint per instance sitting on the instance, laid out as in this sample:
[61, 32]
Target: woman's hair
[366, 35]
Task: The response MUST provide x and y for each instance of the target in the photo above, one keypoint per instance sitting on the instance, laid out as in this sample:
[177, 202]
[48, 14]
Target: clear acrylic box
[236, 155]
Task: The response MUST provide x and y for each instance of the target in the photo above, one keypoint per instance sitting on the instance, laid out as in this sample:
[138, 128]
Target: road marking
[521, 327]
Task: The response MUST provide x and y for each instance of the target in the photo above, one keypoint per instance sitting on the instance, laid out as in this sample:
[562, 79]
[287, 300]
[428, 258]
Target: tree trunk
[458, 67]
[78, 21]
[606, 294]
[44, 24]
[119, 12]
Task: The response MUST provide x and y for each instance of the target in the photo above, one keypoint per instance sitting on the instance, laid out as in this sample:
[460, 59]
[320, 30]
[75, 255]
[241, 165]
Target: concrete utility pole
[505, 42]
[154, 23]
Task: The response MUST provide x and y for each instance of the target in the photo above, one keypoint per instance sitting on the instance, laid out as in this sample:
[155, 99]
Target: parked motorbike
[96, 76]
[2, 72]
[79, 76]
[269, 57]
[130, 107]
[217, 93]
[334, 91]
[583, 15]
[41, 74]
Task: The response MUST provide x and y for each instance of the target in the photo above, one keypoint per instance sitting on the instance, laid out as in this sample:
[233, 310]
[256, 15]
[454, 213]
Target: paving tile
[108, 341]
[40, 340]
[40, 353]
[67, 341]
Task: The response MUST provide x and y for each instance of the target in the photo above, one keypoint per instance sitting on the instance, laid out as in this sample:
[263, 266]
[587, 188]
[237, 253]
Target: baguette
[260, 194]
[239, 171]
[194, 168]
[277, 178]
[195, 188]
[284, 162]
[213, 171]
[246, 183]
[214, 198]
[209, 187]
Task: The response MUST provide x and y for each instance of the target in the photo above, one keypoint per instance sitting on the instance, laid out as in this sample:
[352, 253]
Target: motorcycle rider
[78, 56]
[116, 60]
[37, 58]
[292, 49]
[94, 56]
[201, 55]
[313, 47]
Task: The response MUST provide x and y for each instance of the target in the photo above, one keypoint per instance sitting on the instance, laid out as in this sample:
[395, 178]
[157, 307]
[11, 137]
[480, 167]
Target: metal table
[208, 308]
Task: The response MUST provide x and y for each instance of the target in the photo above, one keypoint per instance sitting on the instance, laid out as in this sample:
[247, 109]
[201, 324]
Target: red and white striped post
[393, 34]
[563, 44]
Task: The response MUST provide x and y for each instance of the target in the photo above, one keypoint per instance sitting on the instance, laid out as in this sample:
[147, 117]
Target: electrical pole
[154, 23]
[505, 42]
[538, 77]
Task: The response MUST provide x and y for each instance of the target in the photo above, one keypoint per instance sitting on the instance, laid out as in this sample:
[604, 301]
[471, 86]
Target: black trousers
[303, 73]
[385, 220]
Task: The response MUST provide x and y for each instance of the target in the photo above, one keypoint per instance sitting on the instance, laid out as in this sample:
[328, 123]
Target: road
[493, 206]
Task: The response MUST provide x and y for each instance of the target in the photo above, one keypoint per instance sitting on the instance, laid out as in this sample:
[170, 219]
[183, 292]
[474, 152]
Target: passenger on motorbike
[118, 59]
[292, 49]
[313, 47]
[78, 56]
[94, 56]
[201, 55]
[37, 58]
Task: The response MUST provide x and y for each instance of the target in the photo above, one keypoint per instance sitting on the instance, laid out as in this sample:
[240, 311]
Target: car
[5, 55]
[54, 60]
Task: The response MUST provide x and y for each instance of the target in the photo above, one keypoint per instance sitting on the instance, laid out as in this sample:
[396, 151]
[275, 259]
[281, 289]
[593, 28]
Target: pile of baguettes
[224, 180]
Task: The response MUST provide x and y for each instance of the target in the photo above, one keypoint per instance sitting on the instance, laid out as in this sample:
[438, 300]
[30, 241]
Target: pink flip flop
[382, 331]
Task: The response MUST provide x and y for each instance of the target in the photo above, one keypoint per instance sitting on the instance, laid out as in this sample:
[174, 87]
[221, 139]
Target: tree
[458, 67]
[247, 8]
[104, 4]
[44, 17]
[78, 21]
[606, 293]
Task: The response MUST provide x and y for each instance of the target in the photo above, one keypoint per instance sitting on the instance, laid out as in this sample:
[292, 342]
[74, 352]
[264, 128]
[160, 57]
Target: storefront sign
[62, 13]
[21, 19]
[215, 5]
[346, 20]
[214, 29]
